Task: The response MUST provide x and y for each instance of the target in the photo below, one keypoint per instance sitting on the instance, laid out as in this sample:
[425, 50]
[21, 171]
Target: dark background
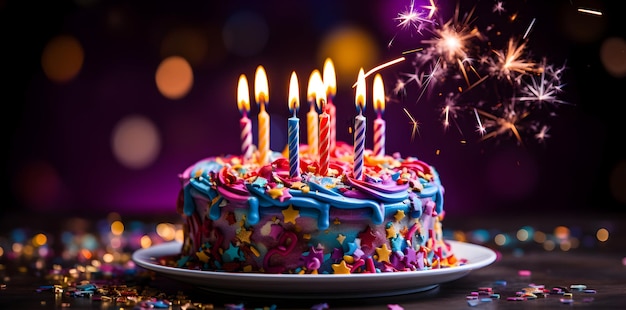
[58, 135]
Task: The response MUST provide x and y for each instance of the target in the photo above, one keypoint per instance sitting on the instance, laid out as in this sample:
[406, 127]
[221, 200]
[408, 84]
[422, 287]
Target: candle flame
[359, 99]
[315, 90]
[261, 88]
[243, 95]
[330, 79]
[379, 94]
[294, 98]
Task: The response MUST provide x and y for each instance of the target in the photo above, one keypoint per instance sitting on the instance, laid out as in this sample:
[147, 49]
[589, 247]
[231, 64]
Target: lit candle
[379, 123]
[243, 104]
[324, 139]
[261, 95]
[330, 83]
[359, 126]
[312, 117]
[294, 128]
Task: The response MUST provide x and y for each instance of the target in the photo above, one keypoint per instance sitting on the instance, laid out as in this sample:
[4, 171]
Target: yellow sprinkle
[202, 257]
[247, 268]
[275, 192]
[399, 215]
[255, 251]
[349, 259]
[306, 236]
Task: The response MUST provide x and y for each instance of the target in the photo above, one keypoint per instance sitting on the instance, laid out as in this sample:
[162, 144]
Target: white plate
[311, 286]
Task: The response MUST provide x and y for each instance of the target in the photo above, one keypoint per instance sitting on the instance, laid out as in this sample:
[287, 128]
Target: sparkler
[460, 59]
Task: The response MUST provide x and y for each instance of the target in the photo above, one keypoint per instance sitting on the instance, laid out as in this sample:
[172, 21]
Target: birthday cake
[244, 214]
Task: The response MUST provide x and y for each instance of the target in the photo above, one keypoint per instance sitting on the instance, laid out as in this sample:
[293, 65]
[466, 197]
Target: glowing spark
[411, 19]
[480, 128]
[452, 38]
[529, 28]
[414, 122]
[510, 62]
[542, 134]
[498, 7]
[432, 8]
[457, 57]
[590, 11]
[387, 64]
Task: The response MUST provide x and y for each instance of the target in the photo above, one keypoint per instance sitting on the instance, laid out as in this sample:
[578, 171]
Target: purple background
[68, 126]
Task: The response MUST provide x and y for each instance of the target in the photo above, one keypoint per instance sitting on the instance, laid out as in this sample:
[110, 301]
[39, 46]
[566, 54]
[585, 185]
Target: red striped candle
[324, 128]
[379, 123]
[330, 83]
[243, 104]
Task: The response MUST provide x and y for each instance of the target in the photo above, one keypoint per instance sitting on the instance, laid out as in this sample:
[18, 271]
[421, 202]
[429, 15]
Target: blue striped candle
[294, 146]
[293, 131]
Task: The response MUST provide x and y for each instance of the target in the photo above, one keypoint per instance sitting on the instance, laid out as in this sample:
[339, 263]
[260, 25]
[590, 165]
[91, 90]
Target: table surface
[600, 268]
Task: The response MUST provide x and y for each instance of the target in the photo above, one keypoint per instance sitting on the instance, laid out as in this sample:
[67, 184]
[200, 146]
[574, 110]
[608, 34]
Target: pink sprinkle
[394, 307]
[524, 273]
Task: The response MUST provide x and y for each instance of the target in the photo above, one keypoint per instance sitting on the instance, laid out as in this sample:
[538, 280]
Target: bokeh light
[117, 228]
[345, 46]
[62, 58]
[245, 33]
[174, 77]
[602, 235]
[136, 142]
[613, 56]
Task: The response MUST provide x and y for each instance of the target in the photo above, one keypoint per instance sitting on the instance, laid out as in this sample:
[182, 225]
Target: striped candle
[324, 143]
[243, 104]
[330, 83]
[324, 138]
[379, 123]
[293, 131]
[359, 127]
[312, 116]
[261, 90]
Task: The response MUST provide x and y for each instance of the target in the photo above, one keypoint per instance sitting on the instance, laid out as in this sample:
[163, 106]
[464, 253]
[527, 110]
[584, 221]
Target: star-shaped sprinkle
[341, 238]
[232, 254]
[399, 215]
[351, 248]
[244, 235]
[368, 236]
[337, 254]
[396, 243]
[280, 193]
[290, 215]
[391, 231]
[383, 253]
[341, 268]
